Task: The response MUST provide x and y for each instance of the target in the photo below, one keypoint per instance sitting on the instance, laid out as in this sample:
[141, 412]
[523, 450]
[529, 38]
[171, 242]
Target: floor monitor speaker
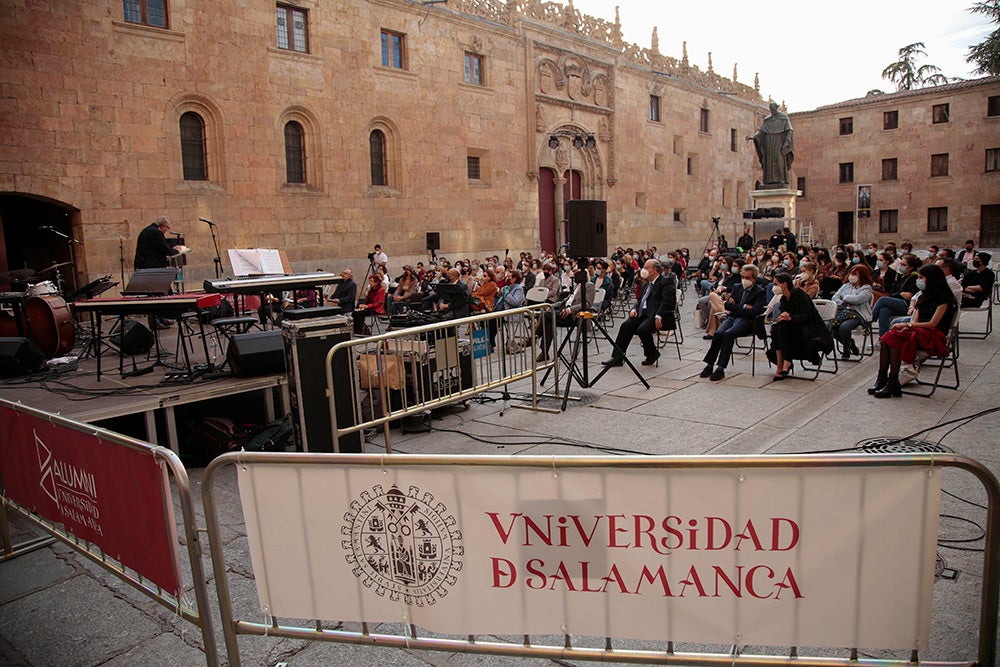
[19, 356]
[133, 338]
[256, 353]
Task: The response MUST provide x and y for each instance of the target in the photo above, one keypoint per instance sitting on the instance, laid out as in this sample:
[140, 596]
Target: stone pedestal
[784, 198]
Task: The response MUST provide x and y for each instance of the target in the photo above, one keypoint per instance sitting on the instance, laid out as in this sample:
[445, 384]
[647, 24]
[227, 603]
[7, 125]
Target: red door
[547, 209]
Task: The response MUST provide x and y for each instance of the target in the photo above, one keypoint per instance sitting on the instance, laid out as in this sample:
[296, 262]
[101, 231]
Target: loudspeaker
[136, 338]
[433, 240]
[256, 353]
[587, 227]
[19, 356]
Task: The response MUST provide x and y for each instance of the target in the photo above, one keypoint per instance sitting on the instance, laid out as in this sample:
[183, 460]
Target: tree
[905, 73]
[986, 55]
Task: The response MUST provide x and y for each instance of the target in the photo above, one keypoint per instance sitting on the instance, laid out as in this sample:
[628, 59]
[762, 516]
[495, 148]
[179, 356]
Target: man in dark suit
[744, 305]
[653, 311]
[151, 247]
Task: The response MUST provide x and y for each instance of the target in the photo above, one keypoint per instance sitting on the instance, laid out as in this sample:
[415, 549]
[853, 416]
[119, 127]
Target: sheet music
[270, 261]
[244, 262]
[256, 261]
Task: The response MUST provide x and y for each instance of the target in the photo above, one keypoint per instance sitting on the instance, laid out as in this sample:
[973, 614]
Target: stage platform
[152, 400]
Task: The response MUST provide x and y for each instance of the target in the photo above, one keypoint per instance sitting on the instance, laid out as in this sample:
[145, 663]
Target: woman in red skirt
[927, 330]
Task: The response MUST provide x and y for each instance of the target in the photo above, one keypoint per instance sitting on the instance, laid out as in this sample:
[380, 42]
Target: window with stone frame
[194, 151]
[940, 113]
[846, 172]
[295, 153]
[888, 221]
[993, 159]
[393, 49]
[890, 169]
[654, 108]
[474, 72]
[379, 166]
[292, 28]
[847, 125]
[993, 105]
[939, 164]
[890, 119]
[703, 125]
[146, 12]
[937, 219]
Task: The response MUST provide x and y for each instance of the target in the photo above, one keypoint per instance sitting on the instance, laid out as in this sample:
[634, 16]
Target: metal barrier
[70, 475]
[410, 371]
[603, 650]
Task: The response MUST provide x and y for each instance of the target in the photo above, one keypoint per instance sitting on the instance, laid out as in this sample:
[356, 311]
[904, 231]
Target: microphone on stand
[208, 221]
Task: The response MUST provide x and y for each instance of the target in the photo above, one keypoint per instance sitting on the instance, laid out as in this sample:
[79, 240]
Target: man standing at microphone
[151, 247]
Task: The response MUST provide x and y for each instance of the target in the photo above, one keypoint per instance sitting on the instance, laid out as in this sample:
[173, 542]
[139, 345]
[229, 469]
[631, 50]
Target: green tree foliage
[907, 75]
[986, 55]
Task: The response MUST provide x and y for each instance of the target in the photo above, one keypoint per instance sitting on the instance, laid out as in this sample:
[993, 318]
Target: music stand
[150, 282]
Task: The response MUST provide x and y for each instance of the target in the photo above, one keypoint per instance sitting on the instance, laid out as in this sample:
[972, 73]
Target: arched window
[295, 153]
[193, 151]
[379, 172]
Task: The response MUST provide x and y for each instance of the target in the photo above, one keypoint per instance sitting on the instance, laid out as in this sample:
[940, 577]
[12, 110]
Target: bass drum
[52, 325]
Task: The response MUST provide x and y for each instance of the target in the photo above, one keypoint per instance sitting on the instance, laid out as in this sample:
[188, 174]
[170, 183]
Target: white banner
[825, 557]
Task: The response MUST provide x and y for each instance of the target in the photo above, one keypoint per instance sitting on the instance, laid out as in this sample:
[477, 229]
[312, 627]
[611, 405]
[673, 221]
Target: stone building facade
[322, 129]
[930, 156]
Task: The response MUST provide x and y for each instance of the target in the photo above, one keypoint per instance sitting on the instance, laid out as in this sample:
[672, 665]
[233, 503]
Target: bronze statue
[775, 151]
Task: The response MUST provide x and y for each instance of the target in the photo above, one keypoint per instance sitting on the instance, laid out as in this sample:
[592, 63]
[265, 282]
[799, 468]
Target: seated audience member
[511, 296]
[950, 268]
[567, 311]
[806, 280]
[746, 302]
[374, 303]
[977, 285]
[927, 331]
[883, 275]
[653, 311]
[898, 301]
[454, 306]
[550, 281]
[854, 308]
[485, 295]
[798, 332]
[967, 255]
[346, 293]
[709, 306]
[405, 290]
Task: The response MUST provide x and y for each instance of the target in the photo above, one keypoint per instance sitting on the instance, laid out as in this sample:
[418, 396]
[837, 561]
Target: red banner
[113, 496]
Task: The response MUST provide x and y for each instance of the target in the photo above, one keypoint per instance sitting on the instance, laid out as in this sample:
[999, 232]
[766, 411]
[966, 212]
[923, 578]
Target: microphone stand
[72, 257]
[121, 257]
[218, 257]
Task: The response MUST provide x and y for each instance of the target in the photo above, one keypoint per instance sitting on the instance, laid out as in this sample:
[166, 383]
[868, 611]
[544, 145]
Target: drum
[43, 288]
[52, 325]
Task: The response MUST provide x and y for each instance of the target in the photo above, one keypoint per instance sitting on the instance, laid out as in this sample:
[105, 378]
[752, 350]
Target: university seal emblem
[403, 544]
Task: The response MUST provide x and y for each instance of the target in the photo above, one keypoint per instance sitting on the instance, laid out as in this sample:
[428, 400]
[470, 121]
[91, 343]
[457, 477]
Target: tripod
[714, 234]
[577, 340]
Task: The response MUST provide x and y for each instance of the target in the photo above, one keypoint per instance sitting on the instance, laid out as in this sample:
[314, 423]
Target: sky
[811, 53]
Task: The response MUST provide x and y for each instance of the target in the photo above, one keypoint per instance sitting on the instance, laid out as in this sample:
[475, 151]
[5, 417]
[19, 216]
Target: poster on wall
[794, 557]
[864, 201]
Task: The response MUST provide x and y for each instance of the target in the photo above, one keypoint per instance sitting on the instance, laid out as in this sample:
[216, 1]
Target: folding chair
[949, 360]
[676, 333]
[986, 306]
[597, 307]
[827, 311]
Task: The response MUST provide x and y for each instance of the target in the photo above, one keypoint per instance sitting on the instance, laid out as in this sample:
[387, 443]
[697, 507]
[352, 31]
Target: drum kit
[38, 309]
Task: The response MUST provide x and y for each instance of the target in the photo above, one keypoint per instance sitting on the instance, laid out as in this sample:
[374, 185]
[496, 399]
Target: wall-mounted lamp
[580, 139]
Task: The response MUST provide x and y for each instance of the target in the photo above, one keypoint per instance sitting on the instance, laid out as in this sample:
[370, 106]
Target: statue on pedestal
[775, 150]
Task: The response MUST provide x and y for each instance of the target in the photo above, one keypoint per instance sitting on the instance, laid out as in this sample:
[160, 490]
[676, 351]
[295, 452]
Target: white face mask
[776, 288]
[747, 283]
[853, 278]
[644, 274]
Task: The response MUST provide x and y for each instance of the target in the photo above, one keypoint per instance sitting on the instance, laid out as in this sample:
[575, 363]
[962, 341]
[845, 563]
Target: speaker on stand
[587, 227]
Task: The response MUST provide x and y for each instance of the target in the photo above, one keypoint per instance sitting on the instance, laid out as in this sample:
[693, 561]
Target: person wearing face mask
[806, 280]
[854, 308]
[653, 311]
[902, 291]
[550, 282]
[745, 303]
[977, 285]
[935, 309]
[968, 254]
[799, 332]
[714, 301]
[883, 277]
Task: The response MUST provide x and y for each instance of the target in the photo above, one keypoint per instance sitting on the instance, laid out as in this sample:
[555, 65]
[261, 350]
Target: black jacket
[662, 301]
[152, 249]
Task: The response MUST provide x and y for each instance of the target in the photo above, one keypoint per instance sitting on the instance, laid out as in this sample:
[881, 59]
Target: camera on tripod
[371, 258]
